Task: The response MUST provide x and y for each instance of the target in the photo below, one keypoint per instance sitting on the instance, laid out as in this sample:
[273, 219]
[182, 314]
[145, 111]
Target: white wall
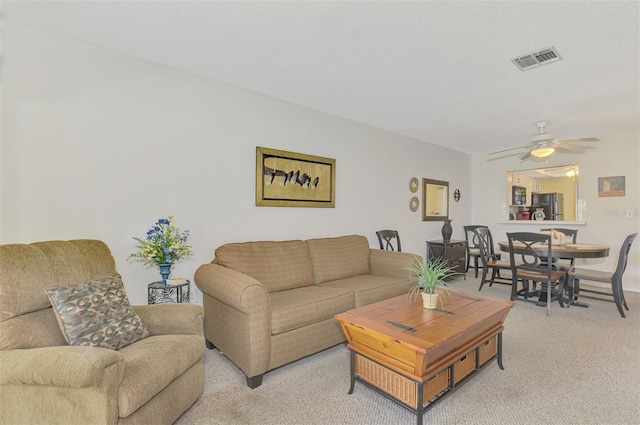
[96, 144]
[614, 155]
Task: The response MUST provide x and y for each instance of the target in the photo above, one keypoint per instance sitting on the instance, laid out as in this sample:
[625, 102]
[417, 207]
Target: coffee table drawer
[396, 385]
[487, 351]
[465, 366]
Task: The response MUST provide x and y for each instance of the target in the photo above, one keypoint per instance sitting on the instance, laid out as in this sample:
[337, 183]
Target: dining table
[565, 251]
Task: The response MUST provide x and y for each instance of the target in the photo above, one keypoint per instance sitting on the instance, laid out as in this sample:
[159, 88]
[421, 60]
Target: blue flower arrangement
[164, 244]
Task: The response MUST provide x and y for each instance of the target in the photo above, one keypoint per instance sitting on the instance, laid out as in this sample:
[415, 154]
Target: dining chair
[616, 292]
[386, 239]
[473, 250]
[529, 267]
[571, 237]
[489, 259]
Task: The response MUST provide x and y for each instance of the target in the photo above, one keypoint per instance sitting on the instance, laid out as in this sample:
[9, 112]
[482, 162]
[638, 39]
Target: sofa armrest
[237, 317]
[171, 319]
[231, 287]
[391, 263]
[63, 366]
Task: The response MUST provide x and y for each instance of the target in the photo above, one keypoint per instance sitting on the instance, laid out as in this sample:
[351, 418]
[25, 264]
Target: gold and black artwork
[290, 179]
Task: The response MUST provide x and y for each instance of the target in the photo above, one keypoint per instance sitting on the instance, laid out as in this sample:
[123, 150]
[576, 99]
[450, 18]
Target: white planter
[429, 301]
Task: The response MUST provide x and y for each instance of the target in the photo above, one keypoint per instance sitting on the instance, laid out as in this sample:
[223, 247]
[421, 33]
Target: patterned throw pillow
[97, 314]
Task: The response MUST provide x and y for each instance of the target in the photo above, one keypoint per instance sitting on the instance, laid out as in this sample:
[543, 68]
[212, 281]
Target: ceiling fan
[543, 144]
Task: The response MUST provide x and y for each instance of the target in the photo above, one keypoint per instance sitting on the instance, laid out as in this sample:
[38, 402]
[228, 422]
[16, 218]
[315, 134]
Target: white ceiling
[438, 71]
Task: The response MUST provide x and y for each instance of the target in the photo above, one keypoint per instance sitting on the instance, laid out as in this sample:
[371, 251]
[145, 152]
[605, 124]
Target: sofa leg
[209, 345]
[254, 381]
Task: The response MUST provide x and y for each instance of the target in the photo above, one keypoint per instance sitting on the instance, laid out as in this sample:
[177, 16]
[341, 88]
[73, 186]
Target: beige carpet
[579, 366]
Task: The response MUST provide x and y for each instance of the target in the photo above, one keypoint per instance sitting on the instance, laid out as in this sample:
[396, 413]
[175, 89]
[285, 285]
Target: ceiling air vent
[535, 59]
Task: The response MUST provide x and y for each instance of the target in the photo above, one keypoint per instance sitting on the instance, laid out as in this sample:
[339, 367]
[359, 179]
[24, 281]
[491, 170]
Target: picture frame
[435, 200]
[611, 186]
[291, 179]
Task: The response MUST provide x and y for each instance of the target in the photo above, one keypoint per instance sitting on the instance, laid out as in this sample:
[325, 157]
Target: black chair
[386, 239]
[490, 260]
[473, 250]
[529, 268]
[616, 294]
[571, 237]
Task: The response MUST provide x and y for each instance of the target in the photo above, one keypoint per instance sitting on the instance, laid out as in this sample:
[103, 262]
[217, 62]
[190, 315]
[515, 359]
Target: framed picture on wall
[611, 186]
[290, 179]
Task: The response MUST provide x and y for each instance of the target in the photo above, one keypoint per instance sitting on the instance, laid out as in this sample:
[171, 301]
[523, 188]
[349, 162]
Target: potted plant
[163, 245]
[428, 277]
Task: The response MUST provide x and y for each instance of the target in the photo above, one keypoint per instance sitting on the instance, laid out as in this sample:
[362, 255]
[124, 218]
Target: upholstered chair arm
[171, 319]
[67, 385]
[391, 263]
[237, 316]
[63, 366]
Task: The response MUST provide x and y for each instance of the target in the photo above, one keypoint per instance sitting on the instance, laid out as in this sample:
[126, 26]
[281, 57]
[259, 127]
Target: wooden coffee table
[416, 356]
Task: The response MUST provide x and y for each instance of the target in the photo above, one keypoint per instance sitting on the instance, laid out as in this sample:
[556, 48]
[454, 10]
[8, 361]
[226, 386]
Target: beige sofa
[43, 380]
[270, 303]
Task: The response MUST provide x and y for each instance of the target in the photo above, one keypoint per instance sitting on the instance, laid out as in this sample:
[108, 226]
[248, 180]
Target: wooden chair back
[387, 238]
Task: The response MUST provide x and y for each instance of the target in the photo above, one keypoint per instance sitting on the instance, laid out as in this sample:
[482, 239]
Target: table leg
[576, 293]
[420, 405]
[499, 356]
[548, 298]
[579, 304]
[353, 374]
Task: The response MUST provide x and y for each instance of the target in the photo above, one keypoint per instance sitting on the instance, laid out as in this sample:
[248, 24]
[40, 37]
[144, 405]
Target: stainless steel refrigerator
[551, 203]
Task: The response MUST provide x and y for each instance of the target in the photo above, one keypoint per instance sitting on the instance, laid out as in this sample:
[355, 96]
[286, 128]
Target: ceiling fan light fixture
[542, 152]
[543, 144]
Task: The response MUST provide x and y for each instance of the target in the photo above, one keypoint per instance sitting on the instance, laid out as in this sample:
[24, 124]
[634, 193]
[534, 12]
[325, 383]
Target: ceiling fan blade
[584, 139]
[504, 156]
[507, 150]
[572, 147]
[564, 149]
[525, 156]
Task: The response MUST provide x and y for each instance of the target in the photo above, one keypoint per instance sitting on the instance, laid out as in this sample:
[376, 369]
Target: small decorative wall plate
[414, 203]
[413, 185]
[456, 195]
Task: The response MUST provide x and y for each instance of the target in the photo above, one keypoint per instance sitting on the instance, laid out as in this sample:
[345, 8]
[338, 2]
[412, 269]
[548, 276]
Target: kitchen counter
[545, 223]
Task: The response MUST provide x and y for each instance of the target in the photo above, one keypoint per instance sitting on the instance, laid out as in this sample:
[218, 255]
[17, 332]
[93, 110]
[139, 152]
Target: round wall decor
[456, 195]
[414, 203]
[413, 185]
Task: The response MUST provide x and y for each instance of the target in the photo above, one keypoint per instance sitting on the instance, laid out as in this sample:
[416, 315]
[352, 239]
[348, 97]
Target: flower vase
[165, 271]
[447, 231]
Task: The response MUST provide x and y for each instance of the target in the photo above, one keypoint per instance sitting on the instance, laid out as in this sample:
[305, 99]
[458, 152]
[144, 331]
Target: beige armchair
[43, 380]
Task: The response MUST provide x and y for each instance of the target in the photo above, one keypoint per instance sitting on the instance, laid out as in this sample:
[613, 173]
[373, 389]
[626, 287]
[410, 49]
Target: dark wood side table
[455, 252]
[160, 293]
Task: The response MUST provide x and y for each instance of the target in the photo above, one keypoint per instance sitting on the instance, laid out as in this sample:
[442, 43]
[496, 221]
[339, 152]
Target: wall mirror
[435, 200]
[554, 189]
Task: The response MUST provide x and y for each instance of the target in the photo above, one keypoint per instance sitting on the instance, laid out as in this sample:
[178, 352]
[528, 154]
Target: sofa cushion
[96, 314]
[369, 289]
[299, 307]
[278, 265]
[337, 258]
[153, 363]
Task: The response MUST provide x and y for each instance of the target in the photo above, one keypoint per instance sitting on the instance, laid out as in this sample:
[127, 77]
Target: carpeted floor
[579, 366]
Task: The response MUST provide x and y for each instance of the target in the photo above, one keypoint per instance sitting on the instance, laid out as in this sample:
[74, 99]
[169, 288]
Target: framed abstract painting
[290, 179]
[611, 186]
